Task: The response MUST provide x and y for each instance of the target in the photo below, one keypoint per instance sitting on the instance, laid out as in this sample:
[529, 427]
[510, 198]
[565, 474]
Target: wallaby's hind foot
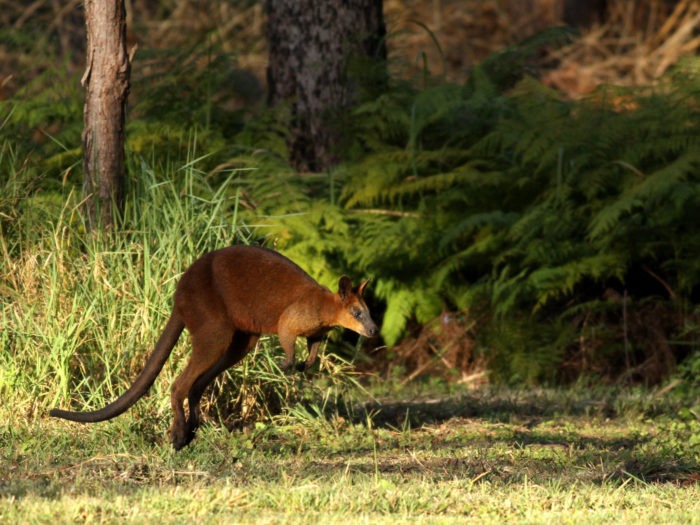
[181, 435]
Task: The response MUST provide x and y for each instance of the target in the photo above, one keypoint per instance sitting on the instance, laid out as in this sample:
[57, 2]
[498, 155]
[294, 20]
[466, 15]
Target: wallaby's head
[355, 314]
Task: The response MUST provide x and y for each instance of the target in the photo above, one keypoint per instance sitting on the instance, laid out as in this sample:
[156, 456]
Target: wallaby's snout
[371, 329]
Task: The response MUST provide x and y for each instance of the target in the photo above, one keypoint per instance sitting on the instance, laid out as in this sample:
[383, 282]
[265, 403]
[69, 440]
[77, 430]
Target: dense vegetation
[559, 234]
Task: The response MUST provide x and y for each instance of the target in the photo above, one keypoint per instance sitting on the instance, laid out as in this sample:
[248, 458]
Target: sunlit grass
[81, 311]
[499, 466]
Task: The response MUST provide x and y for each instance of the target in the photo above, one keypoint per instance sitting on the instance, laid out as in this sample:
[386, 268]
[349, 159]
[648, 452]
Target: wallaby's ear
[361, 288]
[344, 287]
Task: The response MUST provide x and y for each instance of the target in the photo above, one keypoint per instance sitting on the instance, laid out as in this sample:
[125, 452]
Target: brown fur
[226, 300]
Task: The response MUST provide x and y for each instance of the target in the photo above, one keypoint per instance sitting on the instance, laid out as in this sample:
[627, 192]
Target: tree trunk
[106, 81]
[311, 45]
[583, 13]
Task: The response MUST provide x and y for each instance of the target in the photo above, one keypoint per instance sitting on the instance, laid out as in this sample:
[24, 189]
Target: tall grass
[81, 311]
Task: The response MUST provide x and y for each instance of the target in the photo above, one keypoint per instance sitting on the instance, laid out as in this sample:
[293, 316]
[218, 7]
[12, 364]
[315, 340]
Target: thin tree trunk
[311, 44]
[106, 81]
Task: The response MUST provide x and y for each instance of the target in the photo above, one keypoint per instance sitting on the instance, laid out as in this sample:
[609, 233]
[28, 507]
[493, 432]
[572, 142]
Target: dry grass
[635, 47]
[466, 32]
[442, 348]
[637, 43]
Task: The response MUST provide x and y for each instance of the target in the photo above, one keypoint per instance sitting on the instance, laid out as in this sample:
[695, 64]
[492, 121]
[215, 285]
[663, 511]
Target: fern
[551, 283]
[646, 193]
[552, 200]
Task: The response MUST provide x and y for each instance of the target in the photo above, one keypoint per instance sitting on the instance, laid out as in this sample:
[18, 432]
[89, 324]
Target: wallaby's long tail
[141, 384]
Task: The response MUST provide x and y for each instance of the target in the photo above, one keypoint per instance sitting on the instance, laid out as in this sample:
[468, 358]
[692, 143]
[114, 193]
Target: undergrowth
[557, 232]
[560, 229]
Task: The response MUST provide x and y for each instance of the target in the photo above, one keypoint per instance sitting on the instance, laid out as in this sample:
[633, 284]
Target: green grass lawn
[484, 456]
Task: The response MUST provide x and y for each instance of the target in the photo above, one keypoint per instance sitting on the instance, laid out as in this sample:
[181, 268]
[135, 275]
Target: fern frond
[647, 193]
[551, 283]
[493, 220]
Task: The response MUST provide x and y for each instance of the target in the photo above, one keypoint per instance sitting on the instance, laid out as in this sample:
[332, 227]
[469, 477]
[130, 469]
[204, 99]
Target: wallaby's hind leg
[209, 345]
[240, 346]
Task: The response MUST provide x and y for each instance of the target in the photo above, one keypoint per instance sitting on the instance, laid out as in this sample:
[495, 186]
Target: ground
[484, 455]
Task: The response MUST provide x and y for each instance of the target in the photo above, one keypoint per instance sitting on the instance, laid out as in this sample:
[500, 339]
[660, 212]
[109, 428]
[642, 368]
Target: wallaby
[227, 299]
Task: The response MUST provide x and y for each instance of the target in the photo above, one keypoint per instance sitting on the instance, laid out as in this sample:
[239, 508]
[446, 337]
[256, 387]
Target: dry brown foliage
[442, 348]
[637, 42]
[452, 36]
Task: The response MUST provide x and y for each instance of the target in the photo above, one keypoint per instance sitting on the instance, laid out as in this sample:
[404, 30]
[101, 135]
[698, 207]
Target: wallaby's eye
[356, 313]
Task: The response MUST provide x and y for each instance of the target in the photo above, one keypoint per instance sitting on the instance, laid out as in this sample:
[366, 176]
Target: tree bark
[583, 13]
[311, 45]
[106, 81]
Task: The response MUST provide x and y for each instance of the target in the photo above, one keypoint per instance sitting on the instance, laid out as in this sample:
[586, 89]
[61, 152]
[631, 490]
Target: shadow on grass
[506, 405]
[550, 431]
[507, 437]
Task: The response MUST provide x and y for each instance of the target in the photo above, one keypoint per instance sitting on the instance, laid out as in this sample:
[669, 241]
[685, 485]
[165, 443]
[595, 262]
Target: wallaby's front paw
[286, 366]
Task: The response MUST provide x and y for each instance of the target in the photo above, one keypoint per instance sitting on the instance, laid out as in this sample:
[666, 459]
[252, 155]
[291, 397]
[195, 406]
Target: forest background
[524, 194]
[522, 188]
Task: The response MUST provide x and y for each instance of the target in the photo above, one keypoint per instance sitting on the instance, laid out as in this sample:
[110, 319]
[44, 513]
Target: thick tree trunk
[583, 13]
[106, 81]
[311, 43]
